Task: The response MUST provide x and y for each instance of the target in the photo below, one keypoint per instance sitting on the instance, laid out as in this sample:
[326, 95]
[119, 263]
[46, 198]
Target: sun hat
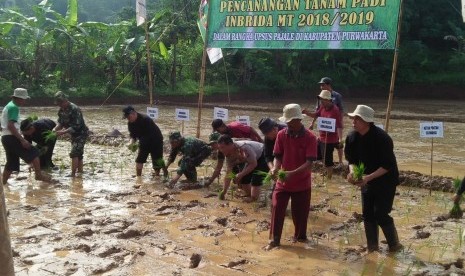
[266, 125]
[21, 93]
[325, 80]
[60, 97]
[175, 136]
[217, 123]
[127, 110]
[325, 95]
[290, 112]
[214, 136]
[365, 112]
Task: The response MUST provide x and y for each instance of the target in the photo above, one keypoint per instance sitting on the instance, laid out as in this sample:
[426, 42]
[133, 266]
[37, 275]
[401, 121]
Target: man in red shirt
[295, 150]
[236, 130]
[328, 141]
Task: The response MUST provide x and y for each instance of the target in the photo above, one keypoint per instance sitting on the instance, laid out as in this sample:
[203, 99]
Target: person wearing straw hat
[144, 130]
[326, 83]
[328, 141]
[372, 146]
[71, 122]
[15, 145]
[194, 151]
[295, 150]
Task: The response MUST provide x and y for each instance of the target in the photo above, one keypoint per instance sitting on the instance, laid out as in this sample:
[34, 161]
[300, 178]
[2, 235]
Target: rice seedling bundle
[358, 171]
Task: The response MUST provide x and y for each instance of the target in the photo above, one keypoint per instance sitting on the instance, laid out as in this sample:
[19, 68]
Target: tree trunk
[173, 69]
[6, 256]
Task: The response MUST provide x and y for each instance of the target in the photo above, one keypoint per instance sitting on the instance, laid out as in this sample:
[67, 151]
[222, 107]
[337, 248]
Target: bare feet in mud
[271, 245]
[44, 177]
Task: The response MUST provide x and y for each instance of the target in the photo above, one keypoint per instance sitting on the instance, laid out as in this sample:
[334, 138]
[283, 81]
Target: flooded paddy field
[109, 222]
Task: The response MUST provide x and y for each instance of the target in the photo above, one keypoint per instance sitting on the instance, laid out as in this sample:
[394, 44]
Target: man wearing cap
[236, 130]
[295, 150]
[327, 84]
[213, 142]
[143, 129]
[36, 131]
[71, 121]
[15, 145]
[245, 158]
[372, 146]
[328, 141]
[193, 151]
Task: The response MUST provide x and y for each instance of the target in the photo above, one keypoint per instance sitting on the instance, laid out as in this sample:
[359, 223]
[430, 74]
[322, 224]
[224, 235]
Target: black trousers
[377, 203]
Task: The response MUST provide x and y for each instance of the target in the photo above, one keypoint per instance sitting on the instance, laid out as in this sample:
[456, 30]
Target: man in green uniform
[71, 121]
[193, 151]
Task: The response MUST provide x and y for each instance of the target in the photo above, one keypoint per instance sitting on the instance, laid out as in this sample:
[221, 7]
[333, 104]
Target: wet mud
[109, 222]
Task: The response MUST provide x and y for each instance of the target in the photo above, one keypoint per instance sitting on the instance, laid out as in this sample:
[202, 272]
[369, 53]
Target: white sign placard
[220, 113]
[432, 130]
[214, 54]
[152, 112]
[326, 124]
[381, 126]
[182, 114]
[245, 120]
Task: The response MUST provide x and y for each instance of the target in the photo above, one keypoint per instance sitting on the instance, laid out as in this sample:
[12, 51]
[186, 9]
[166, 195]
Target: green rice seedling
[32, 118]
[160, 163]
[358, 172]
[267, 177]
[456, 211]
[133, 147]
[282, 175]
[49, 135]
[231, 175]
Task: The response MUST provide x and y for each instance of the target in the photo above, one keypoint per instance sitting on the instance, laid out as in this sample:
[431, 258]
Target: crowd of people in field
[285, 156]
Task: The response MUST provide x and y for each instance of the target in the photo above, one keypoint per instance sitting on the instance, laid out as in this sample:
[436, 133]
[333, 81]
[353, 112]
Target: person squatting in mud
[36, 131]
[295, 150]
[245, 160]
[71, 121]
[144, 130]
[371, 146]
[14, 144]
[194, 151]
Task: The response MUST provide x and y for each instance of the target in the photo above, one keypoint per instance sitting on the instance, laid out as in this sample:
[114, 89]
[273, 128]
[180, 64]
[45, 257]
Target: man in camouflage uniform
[71, 121]
[193, 151]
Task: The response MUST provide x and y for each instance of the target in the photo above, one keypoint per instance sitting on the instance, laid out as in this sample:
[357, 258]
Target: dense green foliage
[44, 48]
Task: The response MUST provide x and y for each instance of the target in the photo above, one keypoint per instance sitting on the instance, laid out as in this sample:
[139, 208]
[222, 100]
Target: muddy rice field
[110, 222]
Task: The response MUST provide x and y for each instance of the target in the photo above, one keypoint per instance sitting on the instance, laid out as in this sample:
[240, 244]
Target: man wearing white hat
[373, 147]
[295, 149]
[14, 144]
[328, 141]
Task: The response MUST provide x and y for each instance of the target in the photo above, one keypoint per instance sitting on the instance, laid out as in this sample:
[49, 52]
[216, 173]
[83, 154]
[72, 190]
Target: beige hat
[290, 112]
[21, 93]
[365, 112]
[325, 95]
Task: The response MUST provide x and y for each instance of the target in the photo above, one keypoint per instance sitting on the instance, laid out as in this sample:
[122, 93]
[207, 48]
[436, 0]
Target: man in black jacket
[141, 127]
[36, 131]
[372, 146]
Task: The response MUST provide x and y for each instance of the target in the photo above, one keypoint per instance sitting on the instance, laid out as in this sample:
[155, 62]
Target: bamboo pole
[201, 89]
[394, 70]
[149, 63]
[6, 256]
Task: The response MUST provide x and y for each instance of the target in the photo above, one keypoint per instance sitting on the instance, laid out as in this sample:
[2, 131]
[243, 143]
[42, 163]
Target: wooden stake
[149, 63]
[6, 255]
[394, 70]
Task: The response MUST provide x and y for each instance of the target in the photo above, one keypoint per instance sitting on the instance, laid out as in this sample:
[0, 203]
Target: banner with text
[303, 24]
